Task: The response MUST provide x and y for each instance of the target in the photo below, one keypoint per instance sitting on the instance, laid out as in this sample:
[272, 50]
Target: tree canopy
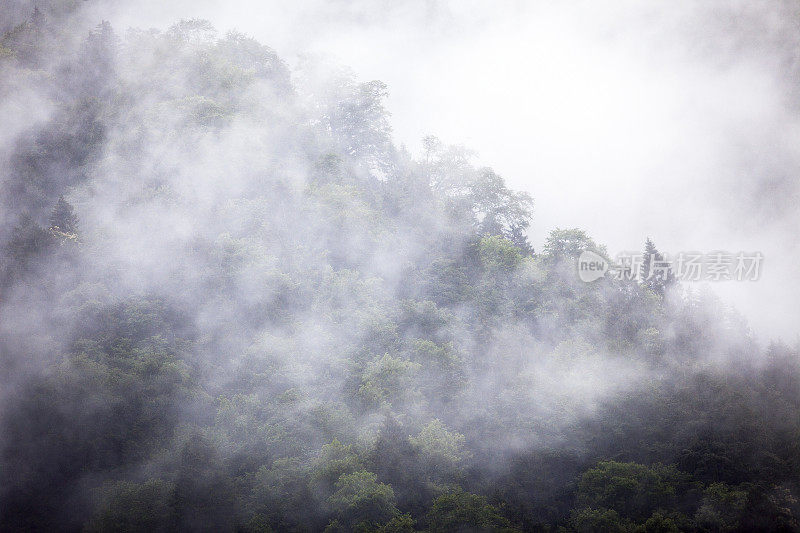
[229, 302]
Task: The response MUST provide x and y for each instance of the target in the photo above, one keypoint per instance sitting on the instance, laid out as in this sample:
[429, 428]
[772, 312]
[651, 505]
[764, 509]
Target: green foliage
[203, 111]
[445, 373]
[607, 520]
[462, 511]
[360, 122]
[438, 445]
[661, 522]
[335, 460]
[567, 243]
[278, 491]
[655, 273]
[258, 524]
[399, 524]
[424, 319]
[360, 498]
[448, 282]
[132, 507]
[501, 212]
[296, 325]
[388, 379]
[204, 492]
[721, 508]
[498, 255]
[633, 490]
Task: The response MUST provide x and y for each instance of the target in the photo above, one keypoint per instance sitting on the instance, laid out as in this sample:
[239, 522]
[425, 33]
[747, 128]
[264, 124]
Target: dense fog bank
[230, 301]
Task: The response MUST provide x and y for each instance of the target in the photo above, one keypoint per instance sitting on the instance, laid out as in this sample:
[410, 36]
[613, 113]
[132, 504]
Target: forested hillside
[230, 302]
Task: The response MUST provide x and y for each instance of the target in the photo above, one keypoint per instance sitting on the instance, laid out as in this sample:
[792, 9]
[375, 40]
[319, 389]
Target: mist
[599, 107]
[272, 268]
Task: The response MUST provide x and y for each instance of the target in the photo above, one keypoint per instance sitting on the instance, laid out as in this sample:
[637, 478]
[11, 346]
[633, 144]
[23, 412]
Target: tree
[655, 274]
[334, 460]
[204, 494]
[498, 255]
[388, 380]
[593, 520]
[131, 507]
[193, 32]
[517, 235]
[360, 124]
[567, 244]
[633, 490]
[722, 508]
[396, 461]
[499, 210]
[360, 498]
[37, 18]
[96, 67]
[441, 450]
[63, 218]
[281, 494]
[462, 511]
[29, 39]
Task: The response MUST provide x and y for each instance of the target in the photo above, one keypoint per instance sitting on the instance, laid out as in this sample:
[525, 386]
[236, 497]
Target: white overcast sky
[624, 120]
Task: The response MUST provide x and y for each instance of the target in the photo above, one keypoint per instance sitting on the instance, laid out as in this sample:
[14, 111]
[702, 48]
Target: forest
[230, 301]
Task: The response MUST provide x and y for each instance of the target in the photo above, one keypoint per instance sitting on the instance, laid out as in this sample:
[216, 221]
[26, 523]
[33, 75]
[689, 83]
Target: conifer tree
[655, 273]
[63, 217]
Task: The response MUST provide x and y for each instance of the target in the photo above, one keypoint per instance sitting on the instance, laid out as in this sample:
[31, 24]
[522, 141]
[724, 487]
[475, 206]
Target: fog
[675, 122]
[244, 289]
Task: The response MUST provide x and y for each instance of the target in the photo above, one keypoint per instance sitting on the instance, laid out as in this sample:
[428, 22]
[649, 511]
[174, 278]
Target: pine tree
[520, 240]
[655, 272]
[37, 18]
[649, 252]
[63, 217]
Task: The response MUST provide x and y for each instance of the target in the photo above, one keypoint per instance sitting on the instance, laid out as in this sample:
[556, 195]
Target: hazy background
[626, 119]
